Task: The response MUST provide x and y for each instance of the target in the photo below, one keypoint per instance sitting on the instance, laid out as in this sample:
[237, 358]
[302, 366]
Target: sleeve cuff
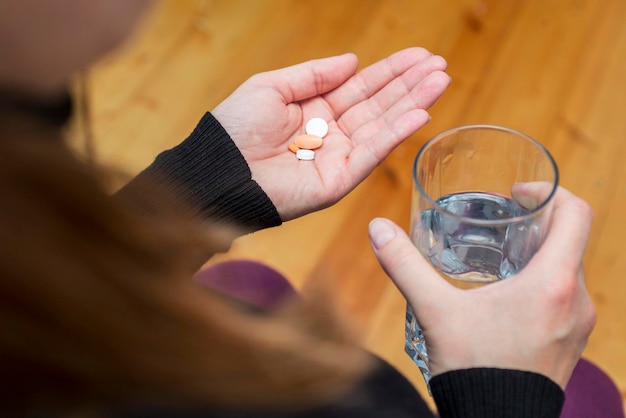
[488, 392]
[210, 174]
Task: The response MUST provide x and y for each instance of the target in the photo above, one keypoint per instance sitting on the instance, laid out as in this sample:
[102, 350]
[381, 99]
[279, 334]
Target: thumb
[404, 264]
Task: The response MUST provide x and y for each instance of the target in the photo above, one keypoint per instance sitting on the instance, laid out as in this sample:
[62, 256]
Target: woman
[98, 312]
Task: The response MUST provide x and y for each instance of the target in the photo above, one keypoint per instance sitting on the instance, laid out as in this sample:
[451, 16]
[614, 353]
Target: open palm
[368, 112]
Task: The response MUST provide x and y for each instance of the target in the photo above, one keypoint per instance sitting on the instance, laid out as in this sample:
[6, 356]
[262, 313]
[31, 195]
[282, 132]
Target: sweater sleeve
[209, 172]
[489, 392]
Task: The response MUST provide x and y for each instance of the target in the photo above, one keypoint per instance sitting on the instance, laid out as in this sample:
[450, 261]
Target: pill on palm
[308, 141]
[293, 147]
[305, 154]
[316, 126]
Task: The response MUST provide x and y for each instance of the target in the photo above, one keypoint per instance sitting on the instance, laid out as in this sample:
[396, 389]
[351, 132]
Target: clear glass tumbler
[464, 217]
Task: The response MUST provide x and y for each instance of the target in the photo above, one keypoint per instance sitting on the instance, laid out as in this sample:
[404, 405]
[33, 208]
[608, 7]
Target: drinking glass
[465, 219]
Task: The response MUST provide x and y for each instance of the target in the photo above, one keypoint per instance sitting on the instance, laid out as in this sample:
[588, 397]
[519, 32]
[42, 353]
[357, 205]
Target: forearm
[208, 172]
[488, 392]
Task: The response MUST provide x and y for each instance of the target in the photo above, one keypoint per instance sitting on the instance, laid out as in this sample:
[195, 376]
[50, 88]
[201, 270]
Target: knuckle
[591, 317]
[563, 291]
[582, 207]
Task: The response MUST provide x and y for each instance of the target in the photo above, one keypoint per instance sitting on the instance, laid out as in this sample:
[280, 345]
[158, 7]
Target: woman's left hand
[368, 112]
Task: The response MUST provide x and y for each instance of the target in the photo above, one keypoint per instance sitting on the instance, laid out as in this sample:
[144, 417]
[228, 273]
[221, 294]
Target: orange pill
[309, 141]
[293, 148]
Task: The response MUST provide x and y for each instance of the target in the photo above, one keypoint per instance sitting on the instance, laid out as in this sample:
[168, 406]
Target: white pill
[305, 154]
[317, 126]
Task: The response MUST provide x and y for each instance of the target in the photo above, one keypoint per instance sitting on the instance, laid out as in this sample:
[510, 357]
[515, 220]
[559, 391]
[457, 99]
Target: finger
[418, 88]
[569, 229]
[363, 124]
[410, 272]
[367, 155]
[532, 194]
[428, 90]
[367, 82]
[308, 79]
[375, 140]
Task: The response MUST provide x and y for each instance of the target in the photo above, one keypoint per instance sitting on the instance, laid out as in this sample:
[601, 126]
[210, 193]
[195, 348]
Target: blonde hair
[97, 305]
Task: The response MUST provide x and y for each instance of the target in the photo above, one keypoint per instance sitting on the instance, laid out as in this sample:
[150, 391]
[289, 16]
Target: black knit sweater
[218, 181]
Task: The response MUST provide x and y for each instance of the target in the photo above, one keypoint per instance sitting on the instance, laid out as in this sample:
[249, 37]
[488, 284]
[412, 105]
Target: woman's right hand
[538, 320]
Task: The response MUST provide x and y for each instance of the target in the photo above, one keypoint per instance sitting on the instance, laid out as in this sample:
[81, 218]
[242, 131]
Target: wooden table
[553, 69]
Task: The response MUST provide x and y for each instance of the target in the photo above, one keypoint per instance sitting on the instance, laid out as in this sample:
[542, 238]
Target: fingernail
[381, 232]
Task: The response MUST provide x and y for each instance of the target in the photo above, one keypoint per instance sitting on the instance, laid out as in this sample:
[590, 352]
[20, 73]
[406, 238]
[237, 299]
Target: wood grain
[554, 69]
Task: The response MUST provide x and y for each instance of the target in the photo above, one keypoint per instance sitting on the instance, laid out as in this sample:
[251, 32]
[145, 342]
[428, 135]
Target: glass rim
[516, 219]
